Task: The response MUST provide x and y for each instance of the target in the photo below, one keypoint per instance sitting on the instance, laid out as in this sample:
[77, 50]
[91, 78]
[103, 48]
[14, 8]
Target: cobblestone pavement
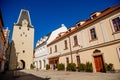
[62, 75]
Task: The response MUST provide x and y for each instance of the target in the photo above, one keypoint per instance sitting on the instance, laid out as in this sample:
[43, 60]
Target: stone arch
[22, 64]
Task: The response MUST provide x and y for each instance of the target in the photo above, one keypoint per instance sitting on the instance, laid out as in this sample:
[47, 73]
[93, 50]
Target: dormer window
[69, 30]
[80, 23]
[94, 15]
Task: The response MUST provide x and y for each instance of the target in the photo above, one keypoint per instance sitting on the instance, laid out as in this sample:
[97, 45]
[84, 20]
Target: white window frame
[90, 33]
[113, 30]
[118, 51]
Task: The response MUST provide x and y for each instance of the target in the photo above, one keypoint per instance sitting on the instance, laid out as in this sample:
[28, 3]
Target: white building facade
[41, 50]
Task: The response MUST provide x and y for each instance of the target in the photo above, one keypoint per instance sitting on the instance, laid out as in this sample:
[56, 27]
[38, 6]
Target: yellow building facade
[96, 40]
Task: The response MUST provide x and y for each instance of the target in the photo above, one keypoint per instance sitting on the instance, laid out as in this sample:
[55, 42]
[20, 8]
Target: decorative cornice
[92, 47]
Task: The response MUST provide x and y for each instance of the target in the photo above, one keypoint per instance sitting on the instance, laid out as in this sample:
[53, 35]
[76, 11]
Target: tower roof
[24, 14]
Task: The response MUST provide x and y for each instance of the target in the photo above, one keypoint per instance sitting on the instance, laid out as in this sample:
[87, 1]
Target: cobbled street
[61, 75]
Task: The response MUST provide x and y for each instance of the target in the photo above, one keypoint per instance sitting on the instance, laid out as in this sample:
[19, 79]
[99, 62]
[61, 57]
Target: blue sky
[48, 15]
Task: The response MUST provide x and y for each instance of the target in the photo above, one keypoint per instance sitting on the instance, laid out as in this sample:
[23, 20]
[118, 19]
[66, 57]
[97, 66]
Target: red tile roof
[88, 21]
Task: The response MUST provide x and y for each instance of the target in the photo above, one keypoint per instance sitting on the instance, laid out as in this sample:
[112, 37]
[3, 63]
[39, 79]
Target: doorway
[99, 64]
[54, 62]
[23, 64]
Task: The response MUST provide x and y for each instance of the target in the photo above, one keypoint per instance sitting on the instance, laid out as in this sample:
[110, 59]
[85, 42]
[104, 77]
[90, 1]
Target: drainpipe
[70, 49]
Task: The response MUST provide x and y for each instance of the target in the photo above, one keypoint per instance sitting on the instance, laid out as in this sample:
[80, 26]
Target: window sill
[93, 40]
[65, 48]
[76, 45]
[55, 51]
[115, 32]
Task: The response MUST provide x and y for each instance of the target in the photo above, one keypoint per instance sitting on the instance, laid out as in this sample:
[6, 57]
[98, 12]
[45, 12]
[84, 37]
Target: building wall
[2, 45]
[23, 39]
[41, 57]
[107, 42]
[42, 51]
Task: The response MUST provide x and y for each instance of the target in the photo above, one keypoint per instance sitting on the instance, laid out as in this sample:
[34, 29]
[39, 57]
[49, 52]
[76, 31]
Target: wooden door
[98, 63]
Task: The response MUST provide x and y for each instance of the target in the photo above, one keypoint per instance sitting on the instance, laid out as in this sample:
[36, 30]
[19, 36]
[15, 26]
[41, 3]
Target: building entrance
[53, 63]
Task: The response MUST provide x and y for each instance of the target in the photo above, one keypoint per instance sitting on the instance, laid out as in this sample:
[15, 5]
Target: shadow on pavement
[18, 75]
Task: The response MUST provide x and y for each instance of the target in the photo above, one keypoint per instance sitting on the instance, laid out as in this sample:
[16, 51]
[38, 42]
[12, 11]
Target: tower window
[23, 51]
[25, 35]
[23, 32]
[19, 27]
[22, 43]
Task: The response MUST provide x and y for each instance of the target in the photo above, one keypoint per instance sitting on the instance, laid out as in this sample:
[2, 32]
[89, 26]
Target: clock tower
[21, 53]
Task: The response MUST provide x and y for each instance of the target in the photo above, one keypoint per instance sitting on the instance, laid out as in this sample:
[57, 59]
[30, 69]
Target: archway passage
[23, 64]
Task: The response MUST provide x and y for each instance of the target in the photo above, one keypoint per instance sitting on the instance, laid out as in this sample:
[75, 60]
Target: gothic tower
[22, 42]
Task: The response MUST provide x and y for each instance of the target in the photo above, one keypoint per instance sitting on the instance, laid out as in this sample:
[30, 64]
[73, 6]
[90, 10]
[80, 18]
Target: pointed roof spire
[24, 14]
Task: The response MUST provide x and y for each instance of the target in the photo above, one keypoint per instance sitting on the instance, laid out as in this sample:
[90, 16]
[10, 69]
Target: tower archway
[22, 64]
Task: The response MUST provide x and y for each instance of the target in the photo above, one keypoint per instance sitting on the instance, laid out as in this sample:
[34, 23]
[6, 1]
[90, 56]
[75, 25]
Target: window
[22, 43]
[23, 51]
[23, 32]
[75, 41]
[93, 34]
[118, 49]
[50, 50]
[94, 16]
[28, 29]
[78, 60]
[116, 24]
[67, 60]
[19, 27]
[65, 42]
[20, 34]
[79, 24]
[55, 48]
[40, 63]
[26, 35]
[44, 63]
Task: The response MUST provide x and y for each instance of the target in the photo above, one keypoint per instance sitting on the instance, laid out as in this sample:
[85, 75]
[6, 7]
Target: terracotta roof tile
[88, 21]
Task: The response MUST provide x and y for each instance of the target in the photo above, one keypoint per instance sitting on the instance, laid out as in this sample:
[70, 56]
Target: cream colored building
[22, 42]
[96, 40]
